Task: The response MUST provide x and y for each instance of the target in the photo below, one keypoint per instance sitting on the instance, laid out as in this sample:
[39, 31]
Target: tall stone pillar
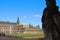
[10, 29]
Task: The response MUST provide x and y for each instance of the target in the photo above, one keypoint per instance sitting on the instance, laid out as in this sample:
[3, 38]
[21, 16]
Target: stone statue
[50, 21]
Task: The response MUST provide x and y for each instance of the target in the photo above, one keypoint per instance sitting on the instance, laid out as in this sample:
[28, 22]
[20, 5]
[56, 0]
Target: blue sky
[29, 11]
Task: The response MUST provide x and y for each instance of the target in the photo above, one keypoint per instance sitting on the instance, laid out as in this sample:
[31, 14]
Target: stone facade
[9, 27]
[31, 29]
[17, 28]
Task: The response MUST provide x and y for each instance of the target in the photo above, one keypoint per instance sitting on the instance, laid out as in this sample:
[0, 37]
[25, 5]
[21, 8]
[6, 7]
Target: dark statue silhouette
[51, 21]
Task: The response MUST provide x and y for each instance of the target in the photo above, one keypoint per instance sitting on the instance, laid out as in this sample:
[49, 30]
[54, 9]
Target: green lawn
[25, 35]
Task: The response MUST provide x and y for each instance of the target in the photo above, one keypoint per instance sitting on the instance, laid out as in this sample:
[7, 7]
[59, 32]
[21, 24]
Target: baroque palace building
[17, 28]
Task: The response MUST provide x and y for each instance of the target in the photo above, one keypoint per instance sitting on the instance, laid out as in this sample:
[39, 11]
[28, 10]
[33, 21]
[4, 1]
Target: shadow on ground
[41, 39]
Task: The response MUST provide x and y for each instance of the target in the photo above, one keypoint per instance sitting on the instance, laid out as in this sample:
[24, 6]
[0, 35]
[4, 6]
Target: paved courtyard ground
[10, 38]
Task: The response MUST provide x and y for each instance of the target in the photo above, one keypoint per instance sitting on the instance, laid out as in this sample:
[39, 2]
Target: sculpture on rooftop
[50, 21]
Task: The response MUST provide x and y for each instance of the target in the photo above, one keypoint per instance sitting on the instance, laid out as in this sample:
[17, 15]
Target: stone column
[10, 29]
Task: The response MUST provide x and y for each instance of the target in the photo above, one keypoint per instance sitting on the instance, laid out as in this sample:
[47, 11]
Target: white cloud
[37, 15]
[25, 17]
